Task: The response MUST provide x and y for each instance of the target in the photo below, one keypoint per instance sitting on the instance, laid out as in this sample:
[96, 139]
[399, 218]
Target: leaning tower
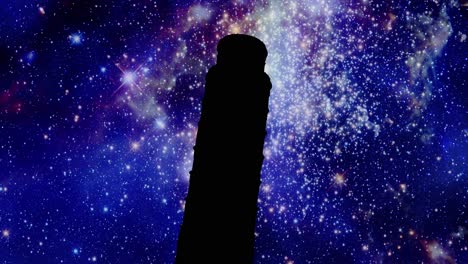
[221, 204]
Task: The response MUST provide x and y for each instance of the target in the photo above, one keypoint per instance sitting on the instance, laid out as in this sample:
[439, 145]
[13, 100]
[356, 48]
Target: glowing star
[403, 187]
[339, 179]
[76, 39]
[129, 78]
[135, 146]
[41, 10]
[5, 233]
[266, 188]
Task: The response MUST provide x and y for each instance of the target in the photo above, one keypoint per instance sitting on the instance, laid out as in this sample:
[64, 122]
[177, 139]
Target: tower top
[242, 52]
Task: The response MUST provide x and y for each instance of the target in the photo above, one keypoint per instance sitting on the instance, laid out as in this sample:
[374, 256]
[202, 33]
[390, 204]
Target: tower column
[221, 204]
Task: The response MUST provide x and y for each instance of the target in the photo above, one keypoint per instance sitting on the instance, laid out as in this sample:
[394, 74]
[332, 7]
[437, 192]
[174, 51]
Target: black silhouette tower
[221, 205]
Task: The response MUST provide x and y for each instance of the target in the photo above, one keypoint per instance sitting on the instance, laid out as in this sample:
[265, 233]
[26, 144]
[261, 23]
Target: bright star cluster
[367, 131]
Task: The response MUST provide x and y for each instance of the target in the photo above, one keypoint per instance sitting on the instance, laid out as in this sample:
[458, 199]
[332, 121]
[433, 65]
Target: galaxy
[367, 130]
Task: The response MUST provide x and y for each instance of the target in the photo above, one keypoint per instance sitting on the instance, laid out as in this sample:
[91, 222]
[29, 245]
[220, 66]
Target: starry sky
[365, 152]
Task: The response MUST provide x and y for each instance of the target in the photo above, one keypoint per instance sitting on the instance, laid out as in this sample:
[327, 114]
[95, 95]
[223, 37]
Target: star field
[367, 132]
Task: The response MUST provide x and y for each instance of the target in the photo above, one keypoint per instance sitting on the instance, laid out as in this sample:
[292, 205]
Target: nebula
[366, 134]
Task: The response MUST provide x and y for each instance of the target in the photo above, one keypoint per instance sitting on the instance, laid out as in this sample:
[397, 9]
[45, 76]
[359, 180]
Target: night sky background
[365, 156]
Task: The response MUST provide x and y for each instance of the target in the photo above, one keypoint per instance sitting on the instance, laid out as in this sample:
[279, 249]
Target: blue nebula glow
[365, 155]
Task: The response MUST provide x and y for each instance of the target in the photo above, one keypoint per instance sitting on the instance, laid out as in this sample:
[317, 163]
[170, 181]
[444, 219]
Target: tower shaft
[221, 205]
